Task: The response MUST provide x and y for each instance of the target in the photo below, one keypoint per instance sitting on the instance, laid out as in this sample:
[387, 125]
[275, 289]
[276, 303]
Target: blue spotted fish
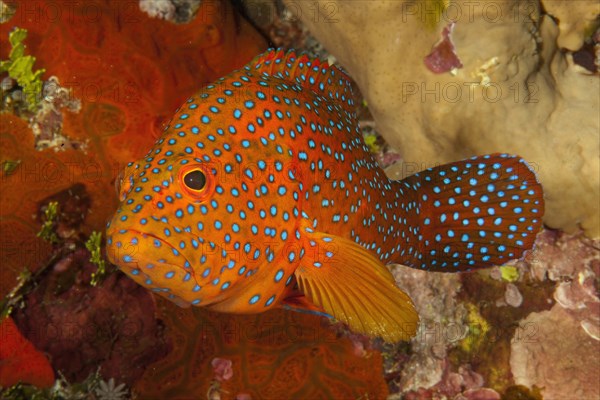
[261, 193]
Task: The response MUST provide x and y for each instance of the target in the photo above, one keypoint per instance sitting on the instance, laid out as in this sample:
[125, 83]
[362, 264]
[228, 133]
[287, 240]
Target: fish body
[261, 193]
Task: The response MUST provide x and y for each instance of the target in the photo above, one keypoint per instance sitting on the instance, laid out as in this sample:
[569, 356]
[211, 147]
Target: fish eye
[195, 180]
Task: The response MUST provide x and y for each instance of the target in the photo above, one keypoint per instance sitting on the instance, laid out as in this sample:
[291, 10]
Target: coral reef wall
[516, 91]
[129, 72]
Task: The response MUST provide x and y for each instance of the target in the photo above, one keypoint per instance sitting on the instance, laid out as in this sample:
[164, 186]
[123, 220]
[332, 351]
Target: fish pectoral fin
[349, 283]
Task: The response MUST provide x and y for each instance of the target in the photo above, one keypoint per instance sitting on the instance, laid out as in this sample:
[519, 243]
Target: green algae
[509, 273]
[47, 232]
[15, 297]
[371, 142]
[19, 67]
[478, 328]
[9, 167]
[94, 246]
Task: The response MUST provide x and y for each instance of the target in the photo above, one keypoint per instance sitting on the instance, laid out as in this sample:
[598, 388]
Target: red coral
[20, 361]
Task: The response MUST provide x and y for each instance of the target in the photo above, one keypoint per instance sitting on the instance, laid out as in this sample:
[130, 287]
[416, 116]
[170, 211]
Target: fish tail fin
[475, 213]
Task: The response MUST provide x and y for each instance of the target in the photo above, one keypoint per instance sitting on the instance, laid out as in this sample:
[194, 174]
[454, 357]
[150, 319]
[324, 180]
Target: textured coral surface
[557, 356]
[274, 355]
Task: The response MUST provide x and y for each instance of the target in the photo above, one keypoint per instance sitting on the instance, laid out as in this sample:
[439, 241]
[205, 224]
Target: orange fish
[261, 193]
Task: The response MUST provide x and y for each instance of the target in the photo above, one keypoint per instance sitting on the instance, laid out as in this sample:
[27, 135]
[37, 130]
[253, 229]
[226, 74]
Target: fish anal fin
[353, 286]
[298, 302]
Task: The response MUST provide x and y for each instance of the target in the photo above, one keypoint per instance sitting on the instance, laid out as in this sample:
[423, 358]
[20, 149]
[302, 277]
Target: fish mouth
[133, 244]
[172, 248]
[150, 235]
[154, 263]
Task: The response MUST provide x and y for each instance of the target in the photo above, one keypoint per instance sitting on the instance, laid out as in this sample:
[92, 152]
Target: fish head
[206, 213]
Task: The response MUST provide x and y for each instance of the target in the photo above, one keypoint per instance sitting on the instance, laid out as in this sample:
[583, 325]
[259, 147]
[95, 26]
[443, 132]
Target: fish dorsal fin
[349, 283]
[320, 77]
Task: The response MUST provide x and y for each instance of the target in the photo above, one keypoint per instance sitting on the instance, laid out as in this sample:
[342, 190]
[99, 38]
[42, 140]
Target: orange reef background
[130, 72]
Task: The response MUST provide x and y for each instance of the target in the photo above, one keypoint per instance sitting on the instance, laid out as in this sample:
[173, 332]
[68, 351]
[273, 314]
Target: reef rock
[552, 352]
[516, 92]
[442, 325]
[574, 20]
[573, 262]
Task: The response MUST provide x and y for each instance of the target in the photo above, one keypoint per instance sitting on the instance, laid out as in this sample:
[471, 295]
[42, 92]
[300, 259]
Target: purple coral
[465, 384]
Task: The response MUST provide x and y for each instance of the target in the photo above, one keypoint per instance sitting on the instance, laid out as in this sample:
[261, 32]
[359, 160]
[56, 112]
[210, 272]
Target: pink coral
[222, 368]
[465, 384]
[513, 296]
